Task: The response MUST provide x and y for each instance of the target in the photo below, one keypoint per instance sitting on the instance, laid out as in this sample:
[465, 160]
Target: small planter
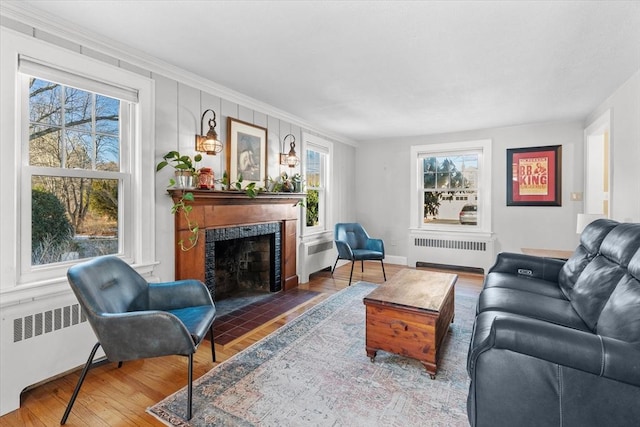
[184, 179]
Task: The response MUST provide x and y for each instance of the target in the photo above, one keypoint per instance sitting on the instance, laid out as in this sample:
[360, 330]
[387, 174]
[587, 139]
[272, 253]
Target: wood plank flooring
[119, 397]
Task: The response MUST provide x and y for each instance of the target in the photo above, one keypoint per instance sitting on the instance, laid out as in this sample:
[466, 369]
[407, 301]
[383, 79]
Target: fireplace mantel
[218, 209]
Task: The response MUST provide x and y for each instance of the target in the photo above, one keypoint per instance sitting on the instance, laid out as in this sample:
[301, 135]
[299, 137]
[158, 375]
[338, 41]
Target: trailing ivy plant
[250, 189]
[183, 163]
[186, 209]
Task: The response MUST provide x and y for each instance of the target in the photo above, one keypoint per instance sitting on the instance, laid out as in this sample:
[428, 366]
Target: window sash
[123, 176]
[482, 187]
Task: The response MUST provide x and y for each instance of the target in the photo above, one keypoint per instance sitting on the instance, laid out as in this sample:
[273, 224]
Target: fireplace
[226, 215]
[243, 259]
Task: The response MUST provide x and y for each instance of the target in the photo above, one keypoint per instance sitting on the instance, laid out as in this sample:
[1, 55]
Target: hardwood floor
[113, 396]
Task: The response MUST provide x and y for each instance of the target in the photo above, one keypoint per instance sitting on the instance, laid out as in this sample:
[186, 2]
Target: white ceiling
[378, 69]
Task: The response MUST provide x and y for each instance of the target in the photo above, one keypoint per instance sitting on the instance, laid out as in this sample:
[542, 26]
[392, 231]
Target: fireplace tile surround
[225, 213]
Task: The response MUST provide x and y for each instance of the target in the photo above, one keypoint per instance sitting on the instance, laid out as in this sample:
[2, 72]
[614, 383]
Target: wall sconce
[290, 159]
[208, 143]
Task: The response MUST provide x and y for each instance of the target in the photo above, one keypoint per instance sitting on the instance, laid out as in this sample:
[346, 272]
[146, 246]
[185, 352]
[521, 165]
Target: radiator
[33, 325]
[314, 256]
[463, 250]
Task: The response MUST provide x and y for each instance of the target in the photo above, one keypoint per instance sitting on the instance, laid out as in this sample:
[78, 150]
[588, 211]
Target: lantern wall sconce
[208, 143]
[290, 159]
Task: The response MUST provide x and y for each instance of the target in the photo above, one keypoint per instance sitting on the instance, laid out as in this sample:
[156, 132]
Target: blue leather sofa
[557, 343]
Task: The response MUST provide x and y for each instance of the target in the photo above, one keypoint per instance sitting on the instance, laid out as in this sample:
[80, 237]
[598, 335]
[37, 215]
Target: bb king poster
[534, 176]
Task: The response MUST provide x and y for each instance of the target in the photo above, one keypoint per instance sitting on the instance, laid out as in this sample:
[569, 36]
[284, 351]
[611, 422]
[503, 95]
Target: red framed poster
[534, 176]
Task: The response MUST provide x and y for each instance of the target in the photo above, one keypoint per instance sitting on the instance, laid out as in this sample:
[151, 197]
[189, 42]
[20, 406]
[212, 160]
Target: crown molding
[40, 20]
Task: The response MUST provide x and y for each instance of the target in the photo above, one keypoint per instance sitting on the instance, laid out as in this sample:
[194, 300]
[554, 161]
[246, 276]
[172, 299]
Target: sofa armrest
[585, 351]
[528, 265]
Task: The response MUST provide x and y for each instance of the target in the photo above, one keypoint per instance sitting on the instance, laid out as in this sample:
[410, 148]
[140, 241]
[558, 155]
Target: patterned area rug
[314, 371]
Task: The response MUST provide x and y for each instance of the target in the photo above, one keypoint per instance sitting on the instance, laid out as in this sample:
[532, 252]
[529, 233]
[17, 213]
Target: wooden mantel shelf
[235, 197]
[217, 209]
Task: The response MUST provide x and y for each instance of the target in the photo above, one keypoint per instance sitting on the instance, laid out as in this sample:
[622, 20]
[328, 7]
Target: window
[317, 153]
[77, 137]
[453, 186]
[450, 185]
[75, 172]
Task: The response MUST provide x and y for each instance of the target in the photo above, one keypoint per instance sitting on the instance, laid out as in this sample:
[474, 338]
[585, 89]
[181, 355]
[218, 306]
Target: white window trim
[16, 284]
[484, 186]
[322, 145]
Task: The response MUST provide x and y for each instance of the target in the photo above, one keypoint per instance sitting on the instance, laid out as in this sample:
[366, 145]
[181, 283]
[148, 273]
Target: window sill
[44, 289]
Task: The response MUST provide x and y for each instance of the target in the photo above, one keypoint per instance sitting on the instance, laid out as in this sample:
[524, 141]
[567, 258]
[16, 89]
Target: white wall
[625, 148]
[383, 186]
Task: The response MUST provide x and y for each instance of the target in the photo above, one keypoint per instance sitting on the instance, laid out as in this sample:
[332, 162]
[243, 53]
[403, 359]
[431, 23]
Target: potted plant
[185, 173]
[185, 168]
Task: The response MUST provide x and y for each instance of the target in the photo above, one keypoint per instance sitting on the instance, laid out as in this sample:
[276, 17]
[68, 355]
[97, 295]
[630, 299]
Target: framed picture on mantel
[534, 176]
[246, 152]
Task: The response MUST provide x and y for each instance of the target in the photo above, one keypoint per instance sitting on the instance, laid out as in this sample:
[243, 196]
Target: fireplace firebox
[243, 258]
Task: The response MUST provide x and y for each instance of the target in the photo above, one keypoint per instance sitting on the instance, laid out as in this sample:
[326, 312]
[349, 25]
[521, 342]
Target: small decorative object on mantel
[185, 170]
[206, 179]
[285, 183]
[534, 176]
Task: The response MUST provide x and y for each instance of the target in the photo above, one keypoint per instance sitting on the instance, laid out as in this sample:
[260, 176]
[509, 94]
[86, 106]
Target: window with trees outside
[315, 186]
[453, 186]
[316, 166]
[450, 184]
[75, 171]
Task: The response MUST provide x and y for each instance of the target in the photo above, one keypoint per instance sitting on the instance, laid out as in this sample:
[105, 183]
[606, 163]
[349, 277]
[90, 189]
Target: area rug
[314, 371]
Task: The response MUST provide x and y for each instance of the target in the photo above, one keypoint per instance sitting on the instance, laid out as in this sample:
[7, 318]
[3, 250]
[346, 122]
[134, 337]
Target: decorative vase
[206, 179]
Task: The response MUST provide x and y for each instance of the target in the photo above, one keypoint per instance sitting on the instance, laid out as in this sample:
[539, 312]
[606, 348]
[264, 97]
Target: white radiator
[452, 249]
[41, 339]
[315, 255]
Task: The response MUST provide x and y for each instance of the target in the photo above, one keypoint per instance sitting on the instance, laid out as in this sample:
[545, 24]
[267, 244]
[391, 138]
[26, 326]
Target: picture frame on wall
[534, 176]
[246, 152]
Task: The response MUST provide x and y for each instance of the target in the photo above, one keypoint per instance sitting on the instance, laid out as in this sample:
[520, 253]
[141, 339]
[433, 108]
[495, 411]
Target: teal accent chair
[134, 319]
[354, 244]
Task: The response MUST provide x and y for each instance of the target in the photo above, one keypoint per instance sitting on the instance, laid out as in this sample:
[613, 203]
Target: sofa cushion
[602, 275]
[590, 241]
[554, 310]
[523, 283]
[620, 317]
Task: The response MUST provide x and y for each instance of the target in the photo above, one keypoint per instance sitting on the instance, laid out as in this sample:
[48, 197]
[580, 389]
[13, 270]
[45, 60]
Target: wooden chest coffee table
[410, 315]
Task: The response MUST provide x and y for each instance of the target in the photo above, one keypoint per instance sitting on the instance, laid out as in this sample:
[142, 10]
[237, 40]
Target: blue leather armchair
[354, 244]
[134, 319]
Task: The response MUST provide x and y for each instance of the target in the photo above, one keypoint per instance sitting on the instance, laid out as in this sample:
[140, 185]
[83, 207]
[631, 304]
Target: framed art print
[246, 152]
[534, 176]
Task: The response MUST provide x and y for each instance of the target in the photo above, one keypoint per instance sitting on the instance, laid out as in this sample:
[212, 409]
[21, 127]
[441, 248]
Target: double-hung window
[81, 132]
[75, 170]
[316, 172]
[452, 186]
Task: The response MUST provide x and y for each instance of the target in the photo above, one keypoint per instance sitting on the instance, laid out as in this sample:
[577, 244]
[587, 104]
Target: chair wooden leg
[351, 275]
[213, 348]
[362, 265]
[189, 385]
[383, 273]
[87, 366]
